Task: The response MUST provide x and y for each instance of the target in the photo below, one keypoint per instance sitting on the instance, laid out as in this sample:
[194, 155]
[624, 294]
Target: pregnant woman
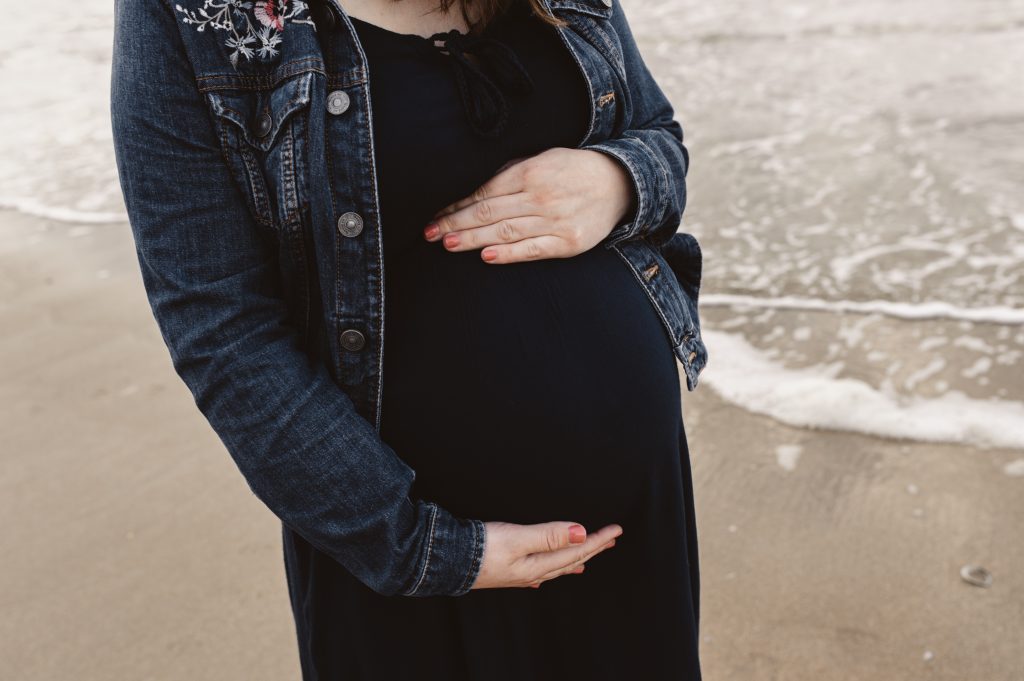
[511, 498]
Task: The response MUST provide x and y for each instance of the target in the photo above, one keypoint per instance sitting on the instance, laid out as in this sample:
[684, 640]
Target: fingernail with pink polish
[577, 534]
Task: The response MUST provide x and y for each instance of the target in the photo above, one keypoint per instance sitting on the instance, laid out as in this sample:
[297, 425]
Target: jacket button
[352, 339]
[263, 125]
[350, 224]
[337, 102]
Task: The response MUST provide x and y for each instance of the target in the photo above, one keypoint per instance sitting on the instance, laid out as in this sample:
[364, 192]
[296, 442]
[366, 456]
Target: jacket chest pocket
[264, 135]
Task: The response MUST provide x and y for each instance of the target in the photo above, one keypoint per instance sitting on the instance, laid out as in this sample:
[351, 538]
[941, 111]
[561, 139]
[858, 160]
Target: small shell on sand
[976, 575]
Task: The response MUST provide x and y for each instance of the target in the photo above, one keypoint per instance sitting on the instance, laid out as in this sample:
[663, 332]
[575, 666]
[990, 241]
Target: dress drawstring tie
[484, 96]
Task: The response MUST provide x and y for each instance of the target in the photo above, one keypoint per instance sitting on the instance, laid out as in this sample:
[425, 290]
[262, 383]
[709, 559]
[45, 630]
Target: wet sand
[133, 548]
[137, 550]
[834, 555]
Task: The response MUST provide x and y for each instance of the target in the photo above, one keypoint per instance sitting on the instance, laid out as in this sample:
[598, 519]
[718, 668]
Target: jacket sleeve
[651, 149]
[212, 281]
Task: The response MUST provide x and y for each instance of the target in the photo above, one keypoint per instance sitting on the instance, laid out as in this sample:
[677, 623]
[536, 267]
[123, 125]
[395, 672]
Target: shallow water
[855, 185]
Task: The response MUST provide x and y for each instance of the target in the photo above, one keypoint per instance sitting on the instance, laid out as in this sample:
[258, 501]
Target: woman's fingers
[536, 248]
[503, 231]
[499, 184]
[484, 211]
[551, 536]
[574, 569]
[525, 555]
[554, 560]
[578, 566]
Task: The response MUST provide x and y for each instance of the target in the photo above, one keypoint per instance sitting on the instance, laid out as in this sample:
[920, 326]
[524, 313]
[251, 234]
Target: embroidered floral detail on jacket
[254, 28]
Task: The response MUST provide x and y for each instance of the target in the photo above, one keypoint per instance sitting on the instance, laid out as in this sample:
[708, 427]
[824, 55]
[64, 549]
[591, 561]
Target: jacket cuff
[635, 156]
[454, 555]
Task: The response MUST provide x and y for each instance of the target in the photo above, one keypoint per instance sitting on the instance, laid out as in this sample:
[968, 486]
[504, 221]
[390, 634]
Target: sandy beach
[857, 438]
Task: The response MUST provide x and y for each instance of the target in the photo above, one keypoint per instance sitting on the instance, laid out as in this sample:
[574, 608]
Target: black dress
[525, 392]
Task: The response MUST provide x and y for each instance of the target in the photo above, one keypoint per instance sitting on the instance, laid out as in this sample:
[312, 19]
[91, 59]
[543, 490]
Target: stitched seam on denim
[343, 80]
[372, 163]
[258, 82]
[238, 113]
[304, 209]
[289, 172]
[430, 547]
[222, 135]
[479, 541]
[257, 185]
[335, 310]
[465, 577]
[664, 189]
[241, 117]
[283, 71]
[598, 39]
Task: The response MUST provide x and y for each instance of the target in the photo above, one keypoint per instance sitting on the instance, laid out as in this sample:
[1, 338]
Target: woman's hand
[555, 204]
[526, 555]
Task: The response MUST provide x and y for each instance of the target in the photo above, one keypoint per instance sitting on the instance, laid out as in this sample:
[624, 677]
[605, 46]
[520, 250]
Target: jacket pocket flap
[260, 114]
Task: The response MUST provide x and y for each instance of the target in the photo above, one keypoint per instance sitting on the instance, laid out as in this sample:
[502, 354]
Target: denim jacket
[244, 149]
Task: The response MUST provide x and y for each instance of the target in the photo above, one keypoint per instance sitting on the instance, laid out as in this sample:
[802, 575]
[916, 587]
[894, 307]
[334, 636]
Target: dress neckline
[483, 82]
[514, 9]
[387, 31]
[416, 37]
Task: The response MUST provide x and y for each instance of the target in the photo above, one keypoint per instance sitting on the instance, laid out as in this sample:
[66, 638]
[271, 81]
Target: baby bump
[528, 391]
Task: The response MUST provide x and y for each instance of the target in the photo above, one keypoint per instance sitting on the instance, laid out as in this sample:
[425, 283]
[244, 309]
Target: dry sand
[134, 549]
